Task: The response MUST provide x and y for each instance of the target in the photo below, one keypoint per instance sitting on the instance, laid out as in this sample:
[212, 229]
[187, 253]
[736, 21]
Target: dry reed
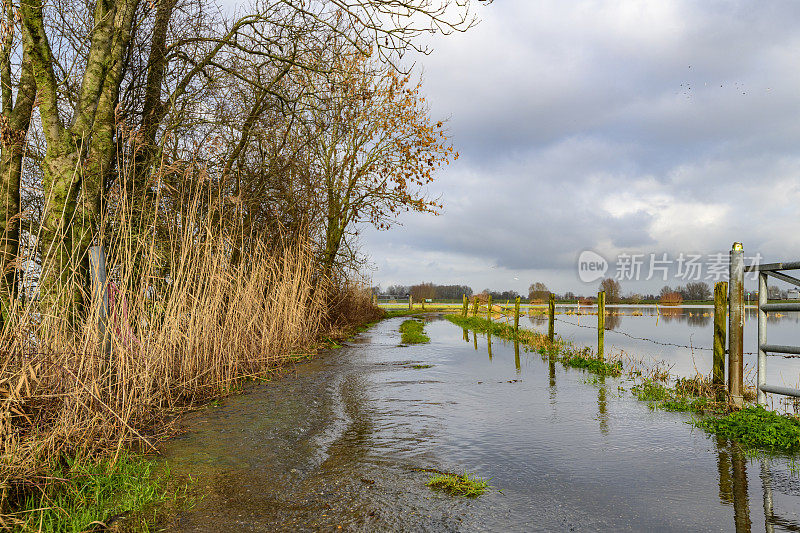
[186, 323]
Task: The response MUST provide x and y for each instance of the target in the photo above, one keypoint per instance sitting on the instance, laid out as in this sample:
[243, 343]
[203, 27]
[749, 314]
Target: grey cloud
[597, 126]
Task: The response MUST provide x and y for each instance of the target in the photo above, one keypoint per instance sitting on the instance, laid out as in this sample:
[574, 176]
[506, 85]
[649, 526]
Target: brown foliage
[671, 298]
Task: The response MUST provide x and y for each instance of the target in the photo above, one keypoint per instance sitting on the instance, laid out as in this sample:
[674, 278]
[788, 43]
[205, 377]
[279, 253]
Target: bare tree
[612, 289]
[538, 291]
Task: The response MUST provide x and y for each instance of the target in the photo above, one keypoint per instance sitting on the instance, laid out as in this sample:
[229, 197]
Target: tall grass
[194, 310]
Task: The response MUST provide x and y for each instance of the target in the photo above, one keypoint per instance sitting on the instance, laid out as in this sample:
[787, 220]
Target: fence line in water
[654, 341]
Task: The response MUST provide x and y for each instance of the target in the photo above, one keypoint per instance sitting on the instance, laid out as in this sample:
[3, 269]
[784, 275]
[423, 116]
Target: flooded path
[345, 441]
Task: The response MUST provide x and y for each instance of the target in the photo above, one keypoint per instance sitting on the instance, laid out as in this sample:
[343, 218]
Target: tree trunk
[78, 157]
[13, 134]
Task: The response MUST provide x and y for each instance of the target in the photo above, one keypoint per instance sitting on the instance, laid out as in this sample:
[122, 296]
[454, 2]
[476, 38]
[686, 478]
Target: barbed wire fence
[635, 337]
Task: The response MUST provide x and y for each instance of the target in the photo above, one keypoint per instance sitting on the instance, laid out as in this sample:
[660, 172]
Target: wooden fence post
[410, 302]
[489, 309]
[601, 323]
[516, 315]
[736, 324]
[551, 328]
[720, 317]
[464, 305]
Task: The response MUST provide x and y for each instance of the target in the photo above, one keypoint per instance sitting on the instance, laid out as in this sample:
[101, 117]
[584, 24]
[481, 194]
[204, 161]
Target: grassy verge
[413, 332]
[567, 354]
[467, 485]
[85, 494]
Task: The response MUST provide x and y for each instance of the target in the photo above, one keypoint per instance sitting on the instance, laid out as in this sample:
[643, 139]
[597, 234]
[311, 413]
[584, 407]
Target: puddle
[350, 438]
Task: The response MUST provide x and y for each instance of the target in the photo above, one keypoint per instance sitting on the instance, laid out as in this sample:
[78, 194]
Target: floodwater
[691, 328]
[346, 439]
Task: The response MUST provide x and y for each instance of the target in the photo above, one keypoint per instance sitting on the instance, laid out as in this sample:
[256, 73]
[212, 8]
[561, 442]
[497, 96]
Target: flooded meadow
[350, 438]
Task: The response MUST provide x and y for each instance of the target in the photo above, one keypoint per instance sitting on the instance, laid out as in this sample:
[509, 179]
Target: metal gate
[774, 270]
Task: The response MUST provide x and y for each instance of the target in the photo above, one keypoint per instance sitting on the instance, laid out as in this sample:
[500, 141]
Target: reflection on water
[732, 466]
[602, 410]
[346, 440]
[733, 483]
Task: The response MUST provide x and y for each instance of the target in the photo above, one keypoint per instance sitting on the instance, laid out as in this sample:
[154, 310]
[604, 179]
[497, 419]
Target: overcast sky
[620, 127]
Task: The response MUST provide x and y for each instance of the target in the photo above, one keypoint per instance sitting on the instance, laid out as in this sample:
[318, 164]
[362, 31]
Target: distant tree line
[696, 290]
[538, 292]
[428, 290]
[501, 295]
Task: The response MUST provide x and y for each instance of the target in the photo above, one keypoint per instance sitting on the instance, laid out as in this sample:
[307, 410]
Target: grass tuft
[467, 485]
[595, 366]
[413, 332]
[686, 396]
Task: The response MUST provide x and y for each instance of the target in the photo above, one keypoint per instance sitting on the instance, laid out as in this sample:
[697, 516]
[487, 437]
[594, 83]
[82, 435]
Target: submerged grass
[592, 364]
[467, 485]
[682, 397]
[567, 354]
[413, 332]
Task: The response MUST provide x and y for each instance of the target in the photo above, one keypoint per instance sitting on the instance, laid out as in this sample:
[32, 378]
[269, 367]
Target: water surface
[346, 440]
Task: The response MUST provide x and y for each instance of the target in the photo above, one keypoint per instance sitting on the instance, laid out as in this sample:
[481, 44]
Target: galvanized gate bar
[761, 378]
[781, 307]
[793, 265]
[764, 306]
[777, 348]
[786, 391]
[784, 277]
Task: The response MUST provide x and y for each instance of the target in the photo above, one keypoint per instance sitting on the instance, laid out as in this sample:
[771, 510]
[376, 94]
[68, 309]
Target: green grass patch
[413, 332]
[650, 391]
[330, 343]
[467, 485]
[756, 428]
[596, 366]
[421, 366]
[79, 495]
